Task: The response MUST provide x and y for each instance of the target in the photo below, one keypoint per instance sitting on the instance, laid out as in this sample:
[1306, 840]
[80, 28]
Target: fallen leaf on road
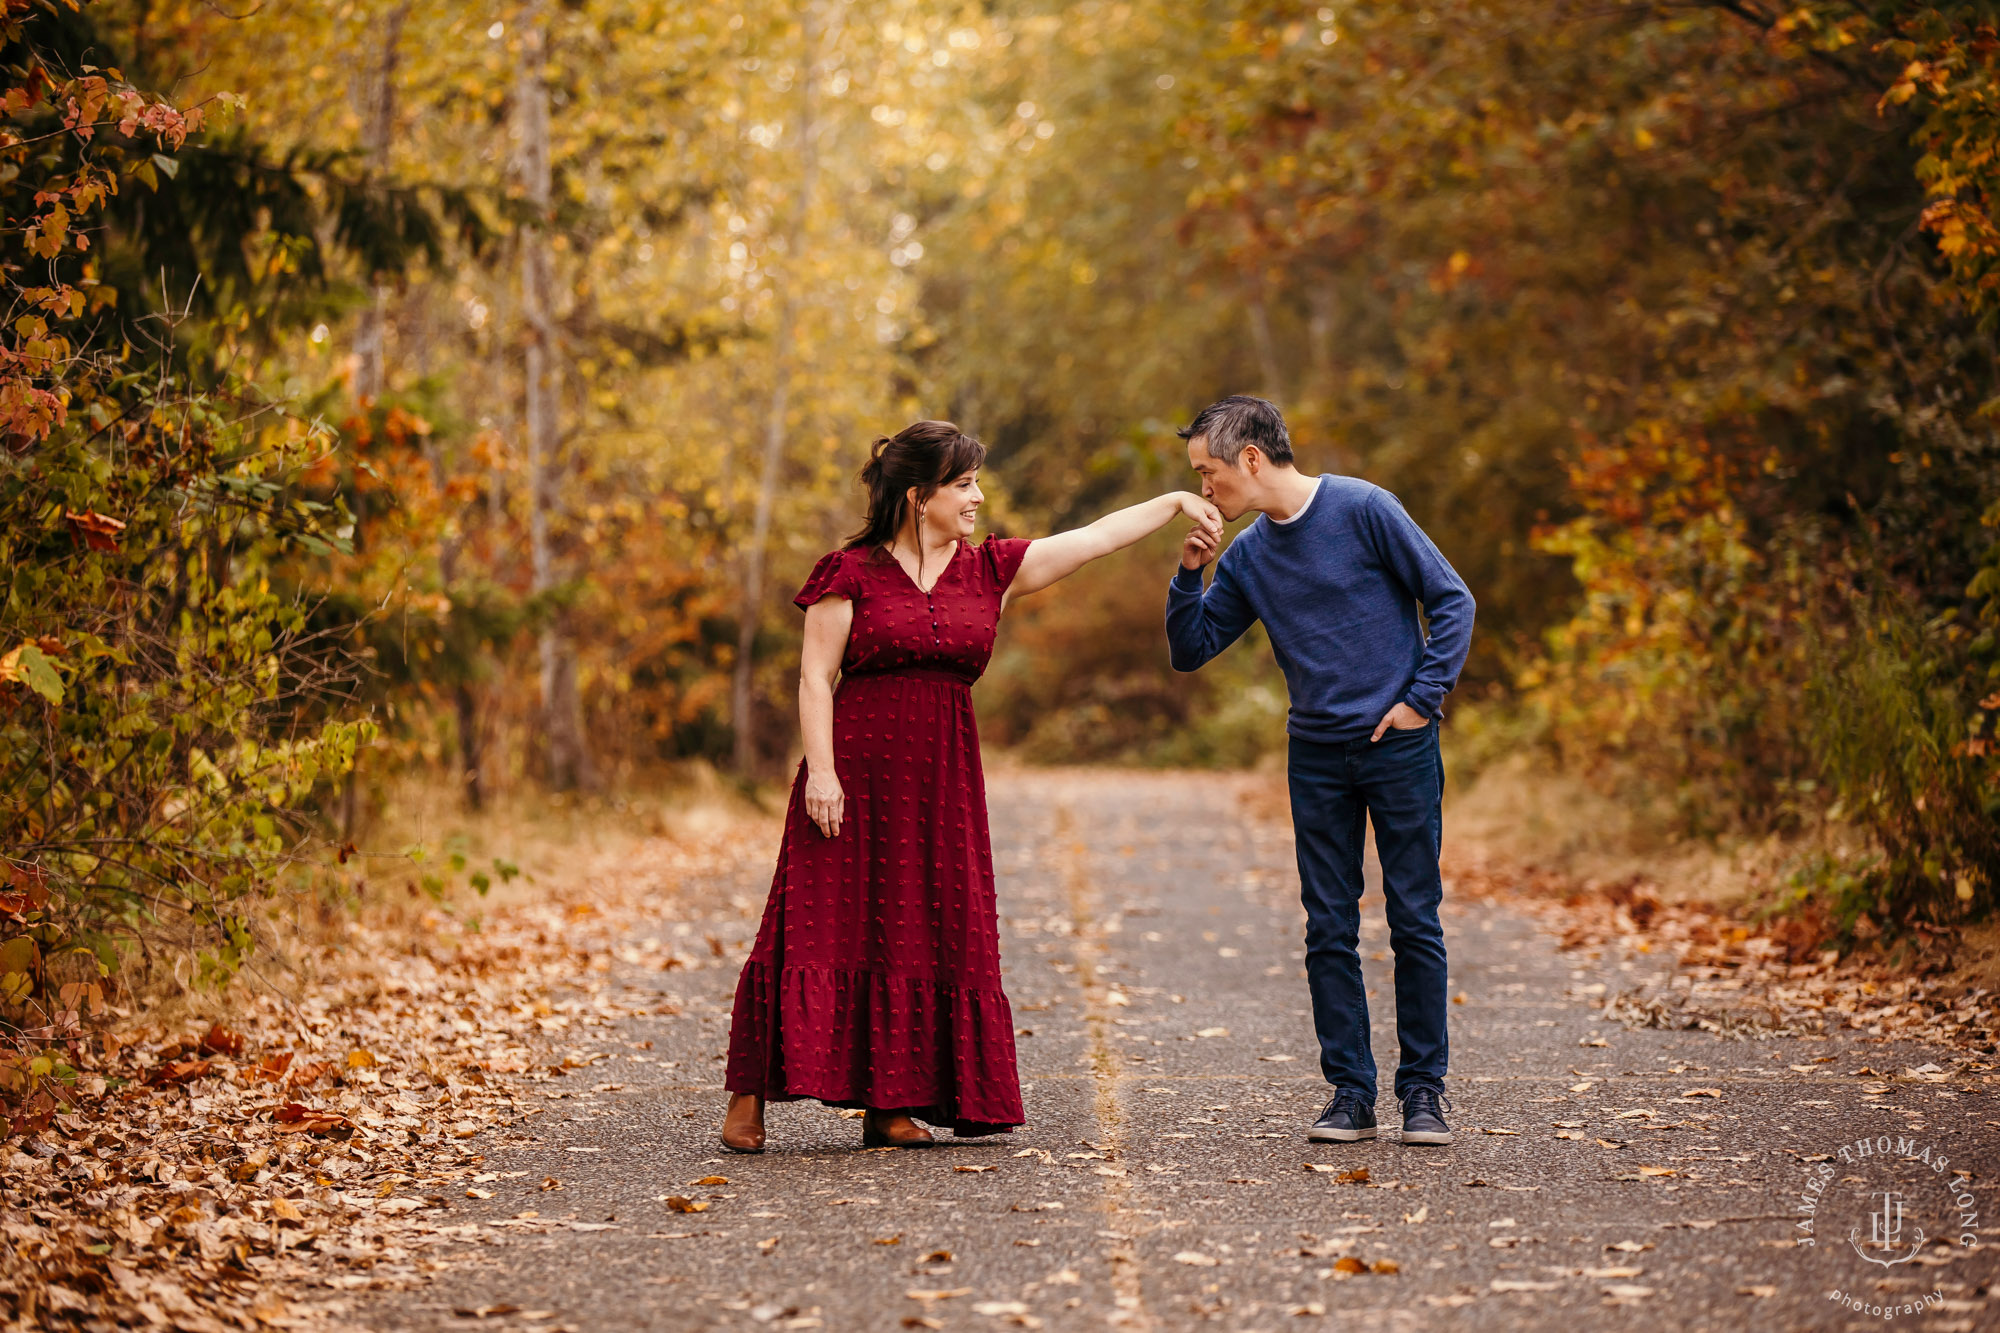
[1609, 1143]
[1612, 1272]
[1630, 1246]
[1570, 1134]
[1347, 1263]
[1567, 1124]
[1385, 1267]
[896, 1239]
[1277, 1059]
[921, 1321]
[1593, 1041]
[484, 1311]
[1585, 1086]
[999, 1307]
[1761, 1293]
[1196, 1258]
[1418, 1217]
[1514, 1132]
[1657, 1171]
[1516, 1284]
[1212, 1032]
[1309, 1308]
[972, 1170]
[1623, 1292]
[1702, 1092]
[1324, 1168]
[713, 1180]
[768, 1245]
[680, 1203]
[1636, 1113]
[1099, 1171]
[926, 1295]
[472, 1193]
[1063, 1277]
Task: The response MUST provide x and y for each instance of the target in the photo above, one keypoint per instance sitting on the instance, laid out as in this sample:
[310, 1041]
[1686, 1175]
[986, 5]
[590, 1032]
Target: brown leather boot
[743, 1124]
[893, 1129]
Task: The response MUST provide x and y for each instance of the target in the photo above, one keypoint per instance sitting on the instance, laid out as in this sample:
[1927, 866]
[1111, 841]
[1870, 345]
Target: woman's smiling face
[953, 509]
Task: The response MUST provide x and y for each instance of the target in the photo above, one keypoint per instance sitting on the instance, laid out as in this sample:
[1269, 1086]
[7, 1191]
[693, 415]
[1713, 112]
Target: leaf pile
[203, 1178]
[1734, 976]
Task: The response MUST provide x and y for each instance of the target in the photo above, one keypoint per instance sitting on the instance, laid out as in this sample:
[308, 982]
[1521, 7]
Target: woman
[875, 980]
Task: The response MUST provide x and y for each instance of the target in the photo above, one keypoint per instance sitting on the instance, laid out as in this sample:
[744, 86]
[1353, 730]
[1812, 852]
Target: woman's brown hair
[924, 455]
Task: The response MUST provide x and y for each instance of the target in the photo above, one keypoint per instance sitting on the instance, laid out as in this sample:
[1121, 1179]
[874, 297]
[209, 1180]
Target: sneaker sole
[1436, 1137]
[1339, 1135]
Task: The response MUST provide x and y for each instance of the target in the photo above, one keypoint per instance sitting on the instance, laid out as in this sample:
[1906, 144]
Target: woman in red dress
[875, 979]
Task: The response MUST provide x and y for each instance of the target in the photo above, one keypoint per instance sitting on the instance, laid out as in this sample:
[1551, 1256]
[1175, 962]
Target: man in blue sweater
[1337, 570]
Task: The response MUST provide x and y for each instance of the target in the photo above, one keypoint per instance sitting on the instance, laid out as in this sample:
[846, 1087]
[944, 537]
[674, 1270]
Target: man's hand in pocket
[1400, 718]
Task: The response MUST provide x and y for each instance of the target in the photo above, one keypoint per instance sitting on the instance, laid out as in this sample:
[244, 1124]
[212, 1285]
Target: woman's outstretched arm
[828, 622]
[1051, 559]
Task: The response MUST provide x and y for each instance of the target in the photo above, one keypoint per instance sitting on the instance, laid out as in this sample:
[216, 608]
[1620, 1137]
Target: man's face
[1222, 484]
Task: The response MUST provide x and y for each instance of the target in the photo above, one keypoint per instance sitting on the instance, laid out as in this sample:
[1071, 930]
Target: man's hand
[1400, 718]
[1200, 548]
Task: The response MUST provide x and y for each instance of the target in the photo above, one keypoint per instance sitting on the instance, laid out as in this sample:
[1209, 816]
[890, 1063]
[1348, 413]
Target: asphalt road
[1164, 1181]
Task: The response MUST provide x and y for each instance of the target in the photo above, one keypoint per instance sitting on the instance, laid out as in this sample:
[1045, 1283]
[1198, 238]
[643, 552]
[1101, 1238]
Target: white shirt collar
[1298, 513]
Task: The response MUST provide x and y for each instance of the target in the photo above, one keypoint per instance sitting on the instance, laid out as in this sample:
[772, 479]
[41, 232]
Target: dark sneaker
[1346, 1119]
[1423, 1122]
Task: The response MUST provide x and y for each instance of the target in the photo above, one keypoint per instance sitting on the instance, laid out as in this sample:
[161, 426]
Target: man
[1336, 570]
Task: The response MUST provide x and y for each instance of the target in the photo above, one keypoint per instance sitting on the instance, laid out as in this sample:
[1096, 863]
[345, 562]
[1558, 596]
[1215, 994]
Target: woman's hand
[1204, 515]
[825, 801]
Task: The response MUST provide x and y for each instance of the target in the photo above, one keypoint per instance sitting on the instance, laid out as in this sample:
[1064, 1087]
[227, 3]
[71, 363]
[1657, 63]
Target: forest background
[397, 389]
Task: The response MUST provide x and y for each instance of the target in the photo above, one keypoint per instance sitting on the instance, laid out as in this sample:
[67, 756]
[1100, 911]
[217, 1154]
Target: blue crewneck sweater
[1338, 590]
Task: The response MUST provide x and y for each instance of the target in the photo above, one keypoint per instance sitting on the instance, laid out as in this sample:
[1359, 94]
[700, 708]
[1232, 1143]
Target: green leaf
[35, 671]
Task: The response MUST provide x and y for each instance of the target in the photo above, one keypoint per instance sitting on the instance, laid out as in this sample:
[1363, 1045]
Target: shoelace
[1422, 1099]
[1346, 1097]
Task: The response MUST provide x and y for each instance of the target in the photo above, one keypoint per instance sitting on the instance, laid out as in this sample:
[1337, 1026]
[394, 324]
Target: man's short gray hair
[1228, 424]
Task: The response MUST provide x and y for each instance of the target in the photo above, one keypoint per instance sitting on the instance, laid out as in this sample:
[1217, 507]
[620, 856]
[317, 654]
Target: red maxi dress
[875, 979]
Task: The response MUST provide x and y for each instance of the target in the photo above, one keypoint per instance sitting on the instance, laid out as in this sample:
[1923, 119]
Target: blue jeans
[1397, 783]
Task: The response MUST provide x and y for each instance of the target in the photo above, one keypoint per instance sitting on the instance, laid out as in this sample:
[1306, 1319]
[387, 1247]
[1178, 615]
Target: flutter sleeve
[833, 576]
[1003, 556]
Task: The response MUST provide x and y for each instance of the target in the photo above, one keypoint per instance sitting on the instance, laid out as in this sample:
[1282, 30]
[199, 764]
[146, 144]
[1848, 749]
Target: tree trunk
[1266, 349]
[567, 757]
[742, 703]
[470, 748]
[376, 103]
[1319, 340]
